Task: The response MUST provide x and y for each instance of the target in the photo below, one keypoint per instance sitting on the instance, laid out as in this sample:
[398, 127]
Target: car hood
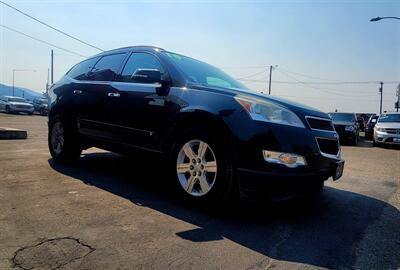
[297, 108]
[20, 103]
[388, 125]
[342, 123]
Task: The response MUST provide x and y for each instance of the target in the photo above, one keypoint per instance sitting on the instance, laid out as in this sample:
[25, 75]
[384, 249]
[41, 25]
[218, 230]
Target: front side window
[140, 61]
[79, 71]
[106, 68]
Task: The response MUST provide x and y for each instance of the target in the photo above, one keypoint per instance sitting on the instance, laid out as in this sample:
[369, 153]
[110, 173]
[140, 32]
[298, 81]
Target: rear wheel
[64, 145]
[202, 165]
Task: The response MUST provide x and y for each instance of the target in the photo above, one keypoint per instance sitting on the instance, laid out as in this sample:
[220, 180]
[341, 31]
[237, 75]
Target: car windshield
[390, 118]
[16, 99]
[342, 117]
[202, 73]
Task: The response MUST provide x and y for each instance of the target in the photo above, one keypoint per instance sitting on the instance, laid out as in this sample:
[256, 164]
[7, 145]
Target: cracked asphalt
[112, 212]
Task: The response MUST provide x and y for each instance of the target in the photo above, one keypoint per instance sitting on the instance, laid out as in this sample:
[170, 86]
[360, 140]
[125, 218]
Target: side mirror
[147, 75]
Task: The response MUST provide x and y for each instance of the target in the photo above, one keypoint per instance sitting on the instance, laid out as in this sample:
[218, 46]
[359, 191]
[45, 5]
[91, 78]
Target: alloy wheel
[196, 167]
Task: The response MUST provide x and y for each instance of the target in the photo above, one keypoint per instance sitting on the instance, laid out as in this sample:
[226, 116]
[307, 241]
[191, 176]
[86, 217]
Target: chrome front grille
[393, 131]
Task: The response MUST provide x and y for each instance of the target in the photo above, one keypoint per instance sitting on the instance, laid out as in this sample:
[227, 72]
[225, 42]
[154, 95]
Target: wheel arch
[195, 117]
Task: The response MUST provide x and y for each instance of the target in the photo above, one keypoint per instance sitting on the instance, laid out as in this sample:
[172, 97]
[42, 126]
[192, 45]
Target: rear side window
[79, 71]
[106, 68]
[140, 61]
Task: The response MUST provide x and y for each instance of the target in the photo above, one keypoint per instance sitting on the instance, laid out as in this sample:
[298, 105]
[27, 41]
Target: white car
[387, 129]
[11, 104]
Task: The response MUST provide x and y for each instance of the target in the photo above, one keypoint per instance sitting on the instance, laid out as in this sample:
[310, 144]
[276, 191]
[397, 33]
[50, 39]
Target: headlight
[349, 128]
[380, 129]
[262, 110]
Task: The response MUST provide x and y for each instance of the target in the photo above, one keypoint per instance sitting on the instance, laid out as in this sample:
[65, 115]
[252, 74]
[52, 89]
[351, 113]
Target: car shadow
[321, 232]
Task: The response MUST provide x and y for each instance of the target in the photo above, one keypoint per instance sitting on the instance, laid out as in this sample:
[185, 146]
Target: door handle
[77, 92]
[113, 95]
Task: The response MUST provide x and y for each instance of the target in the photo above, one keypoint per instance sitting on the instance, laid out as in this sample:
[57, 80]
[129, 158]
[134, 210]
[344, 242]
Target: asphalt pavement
[112, 212]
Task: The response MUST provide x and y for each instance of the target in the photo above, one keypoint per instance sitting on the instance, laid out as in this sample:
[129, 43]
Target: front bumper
[388, 138]
[347, 135]
[258, 176]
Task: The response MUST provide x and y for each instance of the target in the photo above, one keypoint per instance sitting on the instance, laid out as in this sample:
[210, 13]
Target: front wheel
[202, 165]
[64, 145]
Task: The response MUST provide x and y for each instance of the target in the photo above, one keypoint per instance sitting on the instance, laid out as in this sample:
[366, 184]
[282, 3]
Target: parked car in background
[369, 128]
[346, 126]
[10, 104]
[216, 136]
[41, 105]
[361, 123]
[387, 129]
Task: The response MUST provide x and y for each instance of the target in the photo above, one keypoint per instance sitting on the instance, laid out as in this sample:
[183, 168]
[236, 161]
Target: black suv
[217, 137]
[347, 126]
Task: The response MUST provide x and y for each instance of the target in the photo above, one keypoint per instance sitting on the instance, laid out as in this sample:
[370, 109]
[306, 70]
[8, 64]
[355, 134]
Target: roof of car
[127, 49]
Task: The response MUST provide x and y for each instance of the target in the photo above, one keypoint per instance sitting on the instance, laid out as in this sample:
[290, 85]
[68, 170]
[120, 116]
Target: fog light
[287, 159]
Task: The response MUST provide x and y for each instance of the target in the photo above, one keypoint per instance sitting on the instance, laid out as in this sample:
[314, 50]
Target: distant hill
[6, 90]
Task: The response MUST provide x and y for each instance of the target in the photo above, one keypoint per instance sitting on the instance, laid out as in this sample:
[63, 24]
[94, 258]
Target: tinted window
[106, 68]
[80, 70]
[140, 61]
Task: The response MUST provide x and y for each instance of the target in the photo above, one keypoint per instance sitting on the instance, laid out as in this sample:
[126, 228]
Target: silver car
[11, 104]
[387, 129]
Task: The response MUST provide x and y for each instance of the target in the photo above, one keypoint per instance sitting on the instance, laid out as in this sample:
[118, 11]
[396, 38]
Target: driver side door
[135, 110]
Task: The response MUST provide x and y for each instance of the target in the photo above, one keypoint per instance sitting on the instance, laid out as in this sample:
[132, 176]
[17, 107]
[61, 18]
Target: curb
[12, 133]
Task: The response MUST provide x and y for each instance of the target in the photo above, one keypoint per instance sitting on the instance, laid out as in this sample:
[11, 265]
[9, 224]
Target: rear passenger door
[138, 113]
[92, 93]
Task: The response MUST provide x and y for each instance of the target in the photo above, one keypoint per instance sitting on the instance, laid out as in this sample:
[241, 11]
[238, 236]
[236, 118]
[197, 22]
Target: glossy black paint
[120, 116]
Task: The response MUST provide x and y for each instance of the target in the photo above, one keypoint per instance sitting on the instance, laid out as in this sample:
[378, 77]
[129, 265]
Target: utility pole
[381, 91]
[270, 78]
[398, 97]
[52, 66]
[13, 81]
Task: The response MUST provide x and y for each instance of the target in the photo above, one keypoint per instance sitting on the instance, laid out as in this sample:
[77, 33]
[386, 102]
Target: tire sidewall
[71, 149]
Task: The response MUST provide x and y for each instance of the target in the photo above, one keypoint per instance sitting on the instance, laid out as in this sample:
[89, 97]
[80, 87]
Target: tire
[8, 110]
[63, 142]
[193, 180]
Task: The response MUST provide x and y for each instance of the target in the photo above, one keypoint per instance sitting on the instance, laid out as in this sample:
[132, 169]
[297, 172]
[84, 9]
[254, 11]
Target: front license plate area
[338, 170]
[396, 140]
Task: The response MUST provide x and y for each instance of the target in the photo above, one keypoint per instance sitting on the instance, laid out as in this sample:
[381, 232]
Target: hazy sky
[310, 41]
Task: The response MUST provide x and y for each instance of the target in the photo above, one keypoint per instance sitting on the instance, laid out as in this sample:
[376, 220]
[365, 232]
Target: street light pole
[381, 91]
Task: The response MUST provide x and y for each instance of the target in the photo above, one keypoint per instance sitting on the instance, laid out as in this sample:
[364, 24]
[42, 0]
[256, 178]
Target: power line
[42, 41]
[331, 91]
[46, 24]
[308, 76]
[332, 83]
[251, 75]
